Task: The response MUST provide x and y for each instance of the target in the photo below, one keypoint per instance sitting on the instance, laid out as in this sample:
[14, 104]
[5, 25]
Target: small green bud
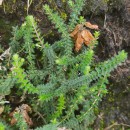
[87, 69]
[81, 19]
[54, 121]
[80, 97]
[71, 3]
[77, 65]
[61, 61]
[91, 51]
[15, 56]
[57, 61]
[24, 24]
[37, 45]
[22, 60]
[96, 34]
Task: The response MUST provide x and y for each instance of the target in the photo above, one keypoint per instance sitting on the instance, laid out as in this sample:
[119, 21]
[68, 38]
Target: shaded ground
[115, 107]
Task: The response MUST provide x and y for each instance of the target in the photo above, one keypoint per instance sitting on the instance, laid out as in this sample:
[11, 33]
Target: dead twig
[116, 124]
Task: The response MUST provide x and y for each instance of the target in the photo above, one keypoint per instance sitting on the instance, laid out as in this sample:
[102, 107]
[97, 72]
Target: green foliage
[17, 35]
[2, 127]
[76, 7]
[48, 127]
[6, 85]
[60, 107]
[21, 124]
[28, 39]
[65, 42]
[62, 86]
[19, 74]
[59, 23]
[26, 34]
[37, 34]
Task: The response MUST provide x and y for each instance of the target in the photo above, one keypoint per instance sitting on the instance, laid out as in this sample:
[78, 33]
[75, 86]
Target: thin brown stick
[116, 124]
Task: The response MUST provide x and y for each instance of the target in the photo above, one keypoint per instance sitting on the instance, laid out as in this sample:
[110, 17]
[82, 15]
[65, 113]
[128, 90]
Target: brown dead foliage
[1, 109]
[23, 110]
[82, 35]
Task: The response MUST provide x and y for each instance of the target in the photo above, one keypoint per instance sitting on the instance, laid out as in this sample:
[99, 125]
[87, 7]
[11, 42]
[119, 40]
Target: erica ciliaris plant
[63, 87]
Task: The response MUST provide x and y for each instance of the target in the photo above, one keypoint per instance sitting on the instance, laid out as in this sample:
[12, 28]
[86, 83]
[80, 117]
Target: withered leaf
[91, 26]
[1, 109]
[87, 36]
[79, 42]
[13, 121]
[82, 35]
[23, 110]
[76, 30]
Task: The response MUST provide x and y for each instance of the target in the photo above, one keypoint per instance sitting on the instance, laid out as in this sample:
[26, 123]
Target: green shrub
[2, 127]
[63, 86]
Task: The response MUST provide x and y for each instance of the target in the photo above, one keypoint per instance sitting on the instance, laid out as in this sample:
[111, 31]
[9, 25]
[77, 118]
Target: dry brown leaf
[79, 42]
[13, 121]
[92, 26]
[27, 118]
[87, 36]
[23, 109]
[76, 30]
[1, 109]
[82, 35]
